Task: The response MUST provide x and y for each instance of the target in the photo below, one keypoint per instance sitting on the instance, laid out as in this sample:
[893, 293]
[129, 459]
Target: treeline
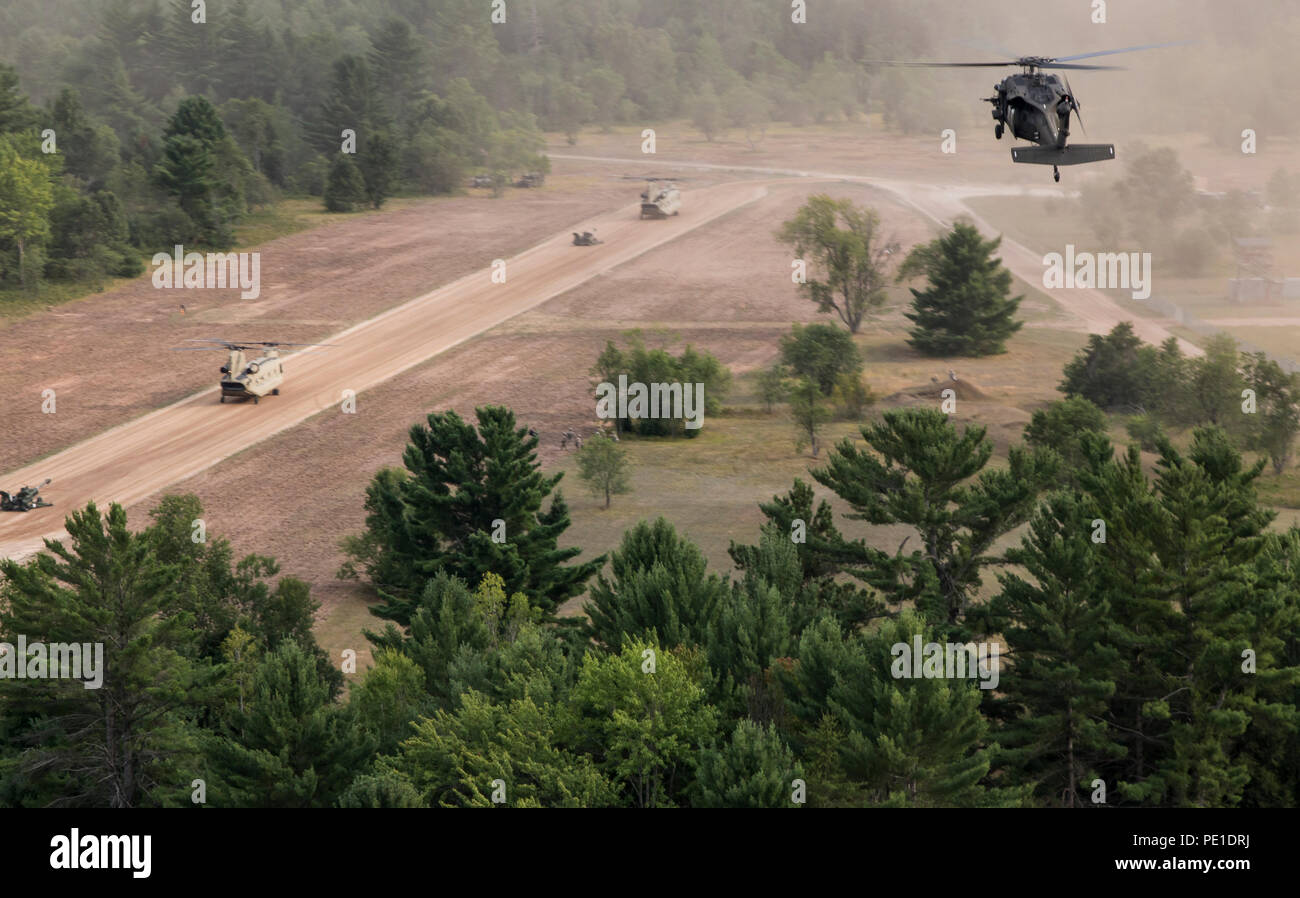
[1250, 397]
[1149, 631]
[170, 123]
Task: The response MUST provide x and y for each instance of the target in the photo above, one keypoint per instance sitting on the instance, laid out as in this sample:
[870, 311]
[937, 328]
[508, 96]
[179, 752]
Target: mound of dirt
[964, 389]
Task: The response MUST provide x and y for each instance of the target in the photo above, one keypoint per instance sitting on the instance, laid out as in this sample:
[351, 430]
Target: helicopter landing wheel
[997, 132]
[254, 400]
[1056, 173]
[275, 392]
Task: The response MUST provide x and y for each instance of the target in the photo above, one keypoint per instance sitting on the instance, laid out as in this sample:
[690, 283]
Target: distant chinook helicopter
[243, 379]
[1037, 106]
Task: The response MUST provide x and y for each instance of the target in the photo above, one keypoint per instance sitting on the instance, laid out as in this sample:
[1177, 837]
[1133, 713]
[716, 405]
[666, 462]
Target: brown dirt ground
[106, 355]
[725, 288]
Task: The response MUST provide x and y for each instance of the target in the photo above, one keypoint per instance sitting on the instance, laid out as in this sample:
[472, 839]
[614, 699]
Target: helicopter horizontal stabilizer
[1074, 154]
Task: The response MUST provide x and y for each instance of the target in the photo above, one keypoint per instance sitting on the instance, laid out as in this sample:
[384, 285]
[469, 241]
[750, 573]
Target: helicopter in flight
[243, 378]
[1036, 106]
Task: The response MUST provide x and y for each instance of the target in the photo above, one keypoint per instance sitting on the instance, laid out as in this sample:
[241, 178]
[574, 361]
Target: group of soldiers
[571, 436]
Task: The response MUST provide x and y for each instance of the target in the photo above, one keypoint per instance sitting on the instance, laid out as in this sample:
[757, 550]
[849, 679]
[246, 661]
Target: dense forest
[1151, 633]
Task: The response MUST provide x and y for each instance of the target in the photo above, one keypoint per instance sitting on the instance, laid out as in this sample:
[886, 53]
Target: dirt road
[943, 203]
[135, 460]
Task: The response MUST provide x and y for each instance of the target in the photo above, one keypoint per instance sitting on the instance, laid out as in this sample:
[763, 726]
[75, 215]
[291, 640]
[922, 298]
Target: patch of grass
[1281, 491]
[288, 216]
[17, 302]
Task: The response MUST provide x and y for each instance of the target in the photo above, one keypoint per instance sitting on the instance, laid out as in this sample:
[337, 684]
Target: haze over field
[950, 408]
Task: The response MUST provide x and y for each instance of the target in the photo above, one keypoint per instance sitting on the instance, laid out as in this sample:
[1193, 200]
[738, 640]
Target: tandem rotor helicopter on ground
[242, 378]
[1037, 106]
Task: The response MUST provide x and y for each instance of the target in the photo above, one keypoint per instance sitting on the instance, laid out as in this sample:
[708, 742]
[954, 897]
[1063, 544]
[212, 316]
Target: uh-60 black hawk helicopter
[1036, 106]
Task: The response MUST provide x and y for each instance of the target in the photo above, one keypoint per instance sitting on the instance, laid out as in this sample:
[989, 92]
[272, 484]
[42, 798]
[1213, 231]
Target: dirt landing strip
[131, 462]
[944, 204]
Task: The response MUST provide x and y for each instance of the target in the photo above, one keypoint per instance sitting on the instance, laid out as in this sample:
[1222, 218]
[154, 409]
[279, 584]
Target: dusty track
[943, 204]
[133, 461]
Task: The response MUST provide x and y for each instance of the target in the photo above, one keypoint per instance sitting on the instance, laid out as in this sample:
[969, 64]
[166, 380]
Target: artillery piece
[25, 499]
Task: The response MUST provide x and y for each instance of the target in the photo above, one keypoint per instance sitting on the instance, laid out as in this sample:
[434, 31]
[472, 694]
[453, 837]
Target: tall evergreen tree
[116, 745]
[919, 471]
[754, 769]
[659, 589]
[471, 503]
[966, 309]
[291, 747]
[1064, 657]
[16, 111]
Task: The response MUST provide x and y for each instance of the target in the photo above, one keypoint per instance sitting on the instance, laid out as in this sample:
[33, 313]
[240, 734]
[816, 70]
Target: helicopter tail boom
[1073, 154]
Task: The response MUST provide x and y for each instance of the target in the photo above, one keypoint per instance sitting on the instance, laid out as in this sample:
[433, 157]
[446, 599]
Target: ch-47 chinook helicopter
[242, 378]
[1036, 106]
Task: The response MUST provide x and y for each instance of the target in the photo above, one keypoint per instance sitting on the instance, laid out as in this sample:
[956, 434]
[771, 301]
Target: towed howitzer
[25, 499]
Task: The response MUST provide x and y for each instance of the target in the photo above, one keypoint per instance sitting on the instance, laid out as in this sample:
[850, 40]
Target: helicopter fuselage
[251, 379]
[1035, 107]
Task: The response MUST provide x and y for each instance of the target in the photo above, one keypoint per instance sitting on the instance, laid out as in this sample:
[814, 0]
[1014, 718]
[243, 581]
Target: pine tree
[388, 789]
[1114, 371]
[443, 626]
[913, 742]
[754, 769]
[756, 623]
[919, 471]
[377, 160]
[291, 747]
[471, 504]
[966, 309]
[659, 589]
[877, 740]
[1192, 589]
[16, 111]
[345, 187]
[398, 60]
[455, 758]
[116, 745]
[1064, 657]
[353, 104]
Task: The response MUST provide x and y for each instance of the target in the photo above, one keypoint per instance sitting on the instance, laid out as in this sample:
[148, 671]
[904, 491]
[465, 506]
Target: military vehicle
[1037, 106]
[242, 378]
[660, 199]
[481, 181]
[25, 499]
[586, 238]
[531, 179]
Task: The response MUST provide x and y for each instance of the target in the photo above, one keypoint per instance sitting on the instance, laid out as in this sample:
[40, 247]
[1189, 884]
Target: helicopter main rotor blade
[941, 65]
[996, 65]
[1090, 68]
[273, 343]
[1122, 50]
